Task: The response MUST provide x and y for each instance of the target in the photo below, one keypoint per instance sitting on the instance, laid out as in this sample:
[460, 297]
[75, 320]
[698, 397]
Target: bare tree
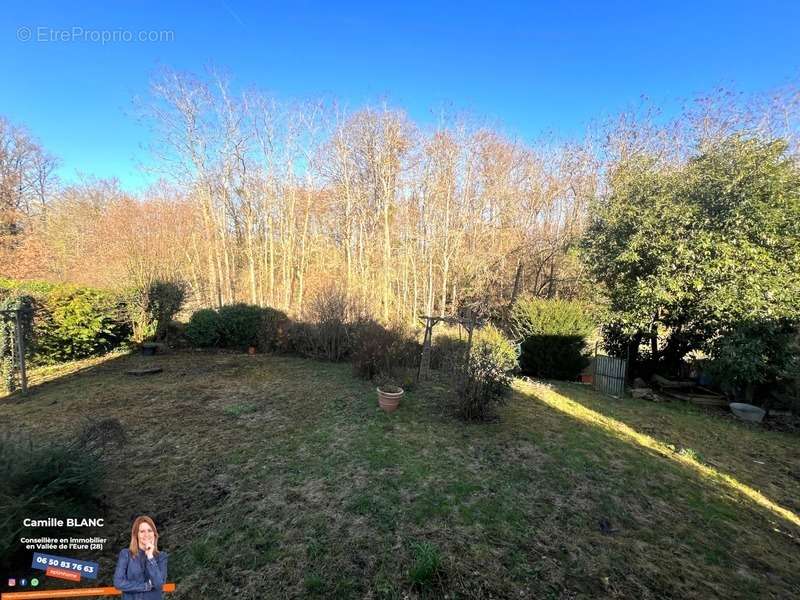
[26, 178]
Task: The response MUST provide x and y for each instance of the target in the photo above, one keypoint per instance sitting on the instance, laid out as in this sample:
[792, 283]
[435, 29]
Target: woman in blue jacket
[141, 568]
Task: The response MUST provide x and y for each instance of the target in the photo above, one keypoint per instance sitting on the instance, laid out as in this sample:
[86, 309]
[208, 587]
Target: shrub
[378, 351]
[41, 479]
[239, 325]
[11, 287]
[371, 350]
[328, 331]
[760, 353]
[553, 337]
[330, 340]
[330, 311]
[406, 353]
[176, 334]
[203, 329]
[271, 335]
[531, 316]
[616, 339]
[330, 303]
[70, 321]
[485, 380]
[74, 322]
[554, 356]
[448, 349]
[301, 339]
[152, 308]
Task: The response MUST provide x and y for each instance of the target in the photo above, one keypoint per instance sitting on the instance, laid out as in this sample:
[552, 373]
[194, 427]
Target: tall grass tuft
[40, 479]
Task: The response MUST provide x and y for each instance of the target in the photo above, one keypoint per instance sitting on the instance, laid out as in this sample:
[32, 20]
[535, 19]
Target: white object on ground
[747, 412]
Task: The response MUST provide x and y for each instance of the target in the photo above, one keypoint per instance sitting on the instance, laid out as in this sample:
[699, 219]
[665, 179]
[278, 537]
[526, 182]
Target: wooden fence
[609, 375]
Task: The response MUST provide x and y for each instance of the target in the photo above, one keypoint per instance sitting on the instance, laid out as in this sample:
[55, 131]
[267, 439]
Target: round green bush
[203, 329]
[240, 325]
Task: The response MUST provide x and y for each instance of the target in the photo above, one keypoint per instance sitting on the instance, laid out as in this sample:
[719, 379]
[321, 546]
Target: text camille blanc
[53, 522]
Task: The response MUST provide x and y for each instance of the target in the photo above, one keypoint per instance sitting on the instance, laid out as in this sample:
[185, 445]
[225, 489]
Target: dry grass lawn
[278, 477]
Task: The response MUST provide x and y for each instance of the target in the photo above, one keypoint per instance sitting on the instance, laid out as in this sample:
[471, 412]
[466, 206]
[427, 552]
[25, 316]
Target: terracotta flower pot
[389, 397]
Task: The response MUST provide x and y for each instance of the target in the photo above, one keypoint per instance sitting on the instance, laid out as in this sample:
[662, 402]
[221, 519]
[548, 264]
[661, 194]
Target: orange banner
[76, 593]
[62, 574]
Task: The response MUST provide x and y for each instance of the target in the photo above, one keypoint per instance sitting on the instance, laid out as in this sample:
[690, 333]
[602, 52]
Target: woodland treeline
[275, 203]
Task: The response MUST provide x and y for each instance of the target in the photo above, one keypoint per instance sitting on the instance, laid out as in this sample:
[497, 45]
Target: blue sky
[534, 67]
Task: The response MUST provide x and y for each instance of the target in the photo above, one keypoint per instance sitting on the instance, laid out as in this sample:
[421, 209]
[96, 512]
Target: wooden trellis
[468, 322]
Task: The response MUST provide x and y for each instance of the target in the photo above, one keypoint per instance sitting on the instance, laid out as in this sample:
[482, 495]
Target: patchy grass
[427, 561]
[237, 410]
[279, 477]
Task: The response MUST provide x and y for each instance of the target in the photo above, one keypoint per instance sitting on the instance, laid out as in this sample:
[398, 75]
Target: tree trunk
[517, 281]
[271, 263]
[387, 253]
[251, 264]
[654, 346]
[302, 270]
[445, 273]
[551, 279]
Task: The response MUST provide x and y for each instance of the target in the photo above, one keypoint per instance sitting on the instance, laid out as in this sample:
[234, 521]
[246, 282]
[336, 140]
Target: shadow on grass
[42, 378]
[620, 430]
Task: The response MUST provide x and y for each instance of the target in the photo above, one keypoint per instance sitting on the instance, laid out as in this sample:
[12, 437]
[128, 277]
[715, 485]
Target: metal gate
[609, 375]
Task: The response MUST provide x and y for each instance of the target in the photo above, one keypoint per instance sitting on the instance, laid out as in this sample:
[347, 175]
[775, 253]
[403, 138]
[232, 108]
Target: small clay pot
[251, 350]
[389, 397]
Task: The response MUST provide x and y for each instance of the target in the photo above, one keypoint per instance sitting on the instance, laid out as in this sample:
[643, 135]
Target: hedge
[553, 336]
[70, 321]
[238, 326]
